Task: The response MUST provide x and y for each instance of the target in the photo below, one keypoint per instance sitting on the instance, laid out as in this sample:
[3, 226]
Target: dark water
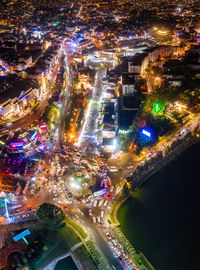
[162, 220]
[66, 264]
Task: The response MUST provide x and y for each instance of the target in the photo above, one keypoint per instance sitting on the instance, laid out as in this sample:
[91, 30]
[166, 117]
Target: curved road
[103, 245]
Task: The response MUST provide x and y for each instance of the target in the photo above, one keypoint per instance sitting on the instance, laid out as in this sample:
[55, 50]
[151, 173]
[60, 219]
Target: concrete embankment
[145, 176]
[53, 263]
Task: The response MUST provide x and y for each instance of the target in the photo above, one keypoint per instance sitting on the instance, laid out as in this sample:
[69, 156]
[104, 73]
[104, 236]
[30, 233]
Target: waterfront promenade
[136, 181]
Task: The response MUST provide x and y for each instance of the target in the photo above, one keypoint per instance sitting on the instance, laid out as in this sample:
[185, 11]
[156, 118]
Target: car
[114, 242]
[111, 245]
[98, 220]
[117, 252]
[108, 235]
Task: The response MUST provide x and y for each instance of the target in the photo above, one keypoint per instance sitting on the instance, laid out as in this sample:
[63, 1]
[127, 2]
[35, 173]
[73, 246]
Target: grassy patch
[76, 227]
[96, 255]
[49, 244]
[84, 257]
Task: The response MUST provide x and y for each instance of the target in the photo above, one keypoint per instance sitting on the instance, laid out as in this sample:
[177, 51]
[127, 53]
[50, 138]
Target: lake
[161, 219]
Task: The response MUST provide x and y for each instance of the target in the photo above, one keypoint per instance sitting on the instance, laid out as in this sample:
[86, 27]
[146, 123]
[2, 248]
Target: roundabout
[79, 181]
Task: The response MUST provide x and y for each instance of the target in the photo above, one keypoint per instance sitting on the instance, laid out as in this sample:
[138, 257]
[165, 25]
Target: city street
[105, 114]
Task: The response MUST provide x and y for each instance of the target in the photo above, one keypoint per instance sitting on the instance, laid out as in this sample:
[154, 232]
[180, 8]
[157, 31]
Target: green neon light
[25, 240]
[122, 131]
[158, 108]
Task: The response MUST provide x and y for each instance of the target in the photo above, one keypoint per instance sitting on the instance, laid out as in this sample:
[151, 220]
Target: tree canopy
[51, 215]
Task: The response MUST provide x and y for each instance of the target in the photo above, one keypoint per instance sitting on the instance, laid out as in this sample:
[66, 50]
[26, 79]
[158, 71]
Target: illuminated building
[109, 145]
[128, 83]
[139, 62]
[16, 102]
[83, 80]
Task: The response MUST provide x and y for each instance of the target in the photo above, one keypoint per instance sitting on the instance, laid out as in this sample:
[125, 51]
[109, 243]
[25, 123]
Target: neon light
[148, 134]
[74, 44]
[99, 193]
[21, 235]
[6, 201]
[22, 97]
[42, 126]
[33, 136]
[156, 107]
[1, 142]
[25, 240]
[122, 131]
[19, 144]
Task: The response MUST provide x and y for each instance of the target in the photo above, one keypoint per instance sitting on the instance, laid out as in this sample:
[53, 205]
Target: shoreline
[117, 227]
[145, 178]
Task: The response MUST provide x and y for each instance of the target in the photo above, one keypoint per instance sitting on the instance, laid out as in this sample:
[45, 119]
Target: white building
[128, 83]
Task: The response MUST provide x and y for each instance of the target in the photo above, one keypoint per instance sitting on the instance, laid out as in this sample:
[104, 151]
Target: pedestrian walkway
[53, 263]
[138, 258]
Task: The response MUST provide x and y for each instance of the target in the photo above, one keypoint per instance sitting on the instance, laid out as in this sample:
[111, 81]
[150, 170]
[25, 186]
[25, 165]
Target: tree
[124, 142]
[133, 128]
[51, 215]
[126, 191]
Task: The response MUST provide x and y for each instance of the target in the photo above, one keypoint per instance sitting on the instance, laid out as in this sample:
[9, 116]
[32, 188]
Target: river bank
[160, 219]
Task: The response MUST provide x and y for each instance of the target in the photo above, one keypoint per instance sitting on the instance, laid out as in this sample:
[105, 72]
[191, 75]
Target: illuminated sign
[99, 193]
[148, 134]
[33, 135]
[24, 96]
[16, 144]
[43, 126]
[22, 236]
[122, 131]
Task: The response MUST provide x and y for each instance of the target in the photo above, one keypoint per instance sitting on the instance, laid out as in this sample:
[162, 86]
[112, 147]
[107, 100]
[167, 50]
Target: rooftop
[128, 78]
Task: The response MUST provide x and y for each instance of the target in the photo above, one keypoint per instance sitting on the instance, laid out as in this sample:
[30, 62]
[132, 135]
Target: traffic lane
[29, 205]
[65, 107]
[64, 111]
[43, 195]
[119, 177]
[123, 160]
[82, 214]
[102, 244]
